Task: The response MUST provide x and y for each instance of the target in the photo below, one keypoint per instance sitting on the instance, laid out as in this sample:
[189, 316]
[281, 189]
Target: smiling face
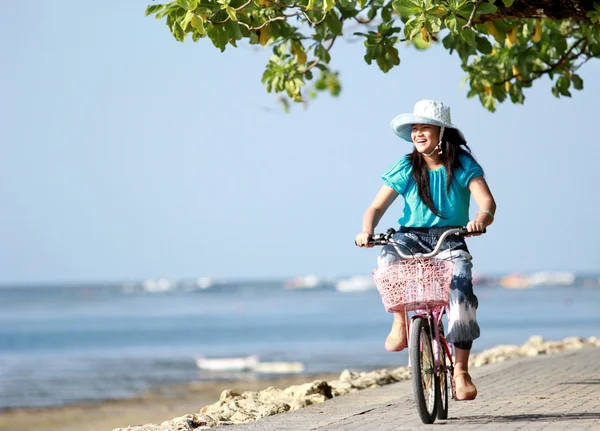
[425, 137]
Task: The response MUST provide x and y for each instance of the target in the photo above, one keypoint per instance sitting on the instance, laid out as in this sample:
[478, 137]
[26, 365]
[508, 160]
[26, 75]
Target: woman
[436, 181]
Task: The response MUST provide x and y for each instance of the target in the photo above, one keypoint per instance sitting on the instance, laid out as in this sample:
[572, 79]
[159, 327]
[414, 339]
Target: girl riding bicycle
[436, 181]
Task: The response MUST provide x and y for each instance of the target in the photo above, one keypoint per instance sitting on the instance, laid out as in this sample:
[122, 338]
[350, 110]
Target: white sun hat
[425, 112]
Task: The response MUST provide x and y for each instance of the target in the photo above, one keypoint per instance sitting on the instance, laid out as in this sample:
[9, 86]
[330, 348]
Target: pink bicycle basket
[414, 284]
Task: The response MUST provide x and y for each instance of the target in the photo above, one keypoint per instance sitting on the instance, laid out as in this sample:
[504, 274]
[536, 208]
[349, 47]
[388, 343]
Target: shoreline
[172, 404]
[155, 405]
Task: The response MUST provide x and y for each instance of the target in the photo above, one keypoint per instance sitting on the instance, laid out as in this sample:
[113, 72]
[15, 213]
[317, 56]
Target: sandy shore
[155, 407]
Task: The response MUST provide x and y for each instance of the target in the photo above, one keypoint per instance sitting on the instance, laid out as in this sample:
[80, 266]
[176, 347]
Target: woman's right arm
[373, 214]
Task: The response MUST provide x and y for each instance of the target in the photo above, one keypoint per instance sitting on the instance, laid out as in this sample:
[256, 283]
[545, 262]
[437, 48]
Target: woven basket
[414, 284]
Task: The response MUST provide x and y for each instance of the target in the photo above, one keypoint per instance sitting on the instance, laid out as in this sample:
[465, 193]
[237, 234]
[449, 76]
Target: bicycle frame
[432, 314]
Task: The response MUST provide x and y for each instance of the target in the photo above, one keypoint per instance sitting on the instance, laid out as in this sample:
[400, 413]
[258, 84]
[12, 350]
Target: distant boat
[357, 283]
[514, 281]
[279, 367]
[246, 363]
[157, 286]
[303, 282]
[552, 279]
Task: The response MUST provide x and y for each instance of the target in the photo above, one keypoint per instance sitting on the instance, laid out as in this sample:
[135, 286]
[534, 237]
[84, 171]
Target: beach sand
[152, 407]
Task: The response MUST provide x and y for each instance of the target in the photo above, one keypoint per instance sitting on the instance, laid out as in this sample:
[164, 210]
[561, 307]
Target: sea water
[78, 345]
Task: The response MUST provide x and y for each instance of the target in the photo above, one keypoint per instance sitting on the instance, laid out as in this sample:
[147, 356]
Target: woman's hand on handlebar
[475, 226]
[363, 238]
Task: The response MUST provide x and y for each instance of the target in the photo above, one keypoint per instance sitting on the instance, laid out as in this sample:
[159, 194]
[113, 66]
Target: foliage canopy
[503, 45]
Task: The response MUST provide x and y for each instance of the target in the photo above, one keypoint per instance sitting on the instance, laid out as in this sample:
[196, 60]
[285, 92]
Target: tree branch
[243, 6]
[315, 23]
[469, 23]
[314, 63]
[277, 18]
[564, 58]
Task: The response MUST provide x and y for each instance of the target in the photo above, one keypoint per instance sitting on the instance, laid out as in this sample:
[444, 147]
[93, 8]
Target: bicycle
[421, 283]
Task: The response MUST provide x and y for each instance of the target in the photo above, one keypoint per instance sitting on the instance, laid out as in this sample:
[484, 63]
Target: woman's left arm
[487, 205]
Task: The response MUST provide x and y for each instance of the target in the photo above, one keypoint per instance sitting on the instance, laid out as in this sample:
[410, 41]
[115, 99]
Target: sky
[126, 155]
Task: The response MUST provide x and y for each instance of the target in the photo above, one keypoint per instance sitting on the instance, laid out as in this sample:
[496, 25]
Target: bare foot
[396, 340]
[465, 389]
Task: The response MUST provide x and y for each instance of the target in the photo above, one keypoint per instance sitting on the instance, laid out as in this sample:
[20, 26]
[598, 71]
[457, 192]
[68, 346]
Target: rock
[241, 417]
[318, 387]
[348, 376]
[189, 422]
[535, 340]
[228, 394]
[339, 387]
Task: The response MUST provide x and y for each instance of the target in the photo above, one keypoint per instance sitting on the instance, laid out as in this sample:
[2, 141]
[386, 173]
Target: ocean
[80, 345]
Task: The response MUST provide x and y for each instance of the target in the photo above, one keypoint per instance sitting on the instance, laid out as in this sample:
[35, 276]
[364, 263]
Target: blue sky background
[127, 155]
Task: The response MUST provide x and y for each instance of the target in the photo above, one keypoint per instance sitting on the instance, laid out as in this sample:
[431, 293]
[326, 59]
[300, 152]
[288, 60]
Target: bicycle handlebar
[386, 238]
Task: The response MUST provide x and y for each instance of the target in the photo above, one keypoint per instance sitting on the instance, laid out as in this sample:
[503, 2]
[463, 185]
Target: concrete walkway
[555, 392]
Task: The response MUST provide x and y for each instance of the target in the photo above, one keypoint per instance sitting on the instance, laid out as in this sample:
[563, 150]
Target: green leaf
[218, 35]
[188, 4]
[175, 27]
[165, 11]
[406, 8]
[483, 45]
[508, 3]
[489, 102]
[198, 24]
[154, 8]
[386, 14]
[413, 31]
[393, 54]
[311, 5]
[577, 82]
[563, 84]
[328, 5]
[322, 53]
[189, 15]
[468, 36]
[333, 22]
[485, 8]
[451, 23]
[433, 23]
[231, 12]
[234, 31]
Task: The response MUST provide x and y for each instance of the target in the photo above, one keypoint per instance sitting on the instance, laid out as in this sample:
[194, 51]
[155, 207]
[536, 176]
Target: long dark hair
[453, 145]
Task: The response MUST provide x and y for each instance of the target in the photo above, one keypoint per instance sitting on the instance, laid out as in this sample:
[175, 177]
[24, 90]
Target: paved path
[556, 392]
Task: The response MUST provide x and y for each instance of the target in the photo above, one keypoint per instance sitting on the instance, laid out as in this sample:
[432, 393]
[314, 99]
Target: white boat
[279, 367]
[357, 283]
[303, 282]
[246, 363]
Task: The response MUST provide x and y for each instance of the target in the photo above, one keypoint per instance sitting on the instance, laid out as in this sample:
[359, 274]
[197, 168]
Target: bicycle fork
[442, 350]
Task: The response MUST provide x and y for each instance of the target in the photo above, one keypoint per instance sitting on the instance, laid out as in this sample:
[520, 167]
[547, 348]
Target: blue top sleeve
[470, 169]
[397, 176]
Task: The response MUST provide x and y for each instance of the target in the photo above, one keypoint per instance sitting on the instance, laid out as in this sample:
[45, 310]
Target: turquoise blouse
[453, 205]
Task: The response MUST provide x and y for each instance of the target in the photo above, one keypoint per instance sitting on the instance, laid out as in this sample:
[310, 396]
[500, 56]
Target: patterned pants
[462, 322]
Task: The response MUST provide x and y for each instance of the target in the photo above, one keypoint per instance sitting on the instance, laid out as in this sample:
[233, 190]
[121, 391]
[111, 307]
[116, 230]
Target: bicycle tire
[425, 382]
[442, 393]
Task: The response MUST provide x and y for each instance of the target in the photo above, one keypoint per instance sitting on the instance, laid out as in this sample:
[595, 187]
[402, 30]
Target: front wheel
[426, 385]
